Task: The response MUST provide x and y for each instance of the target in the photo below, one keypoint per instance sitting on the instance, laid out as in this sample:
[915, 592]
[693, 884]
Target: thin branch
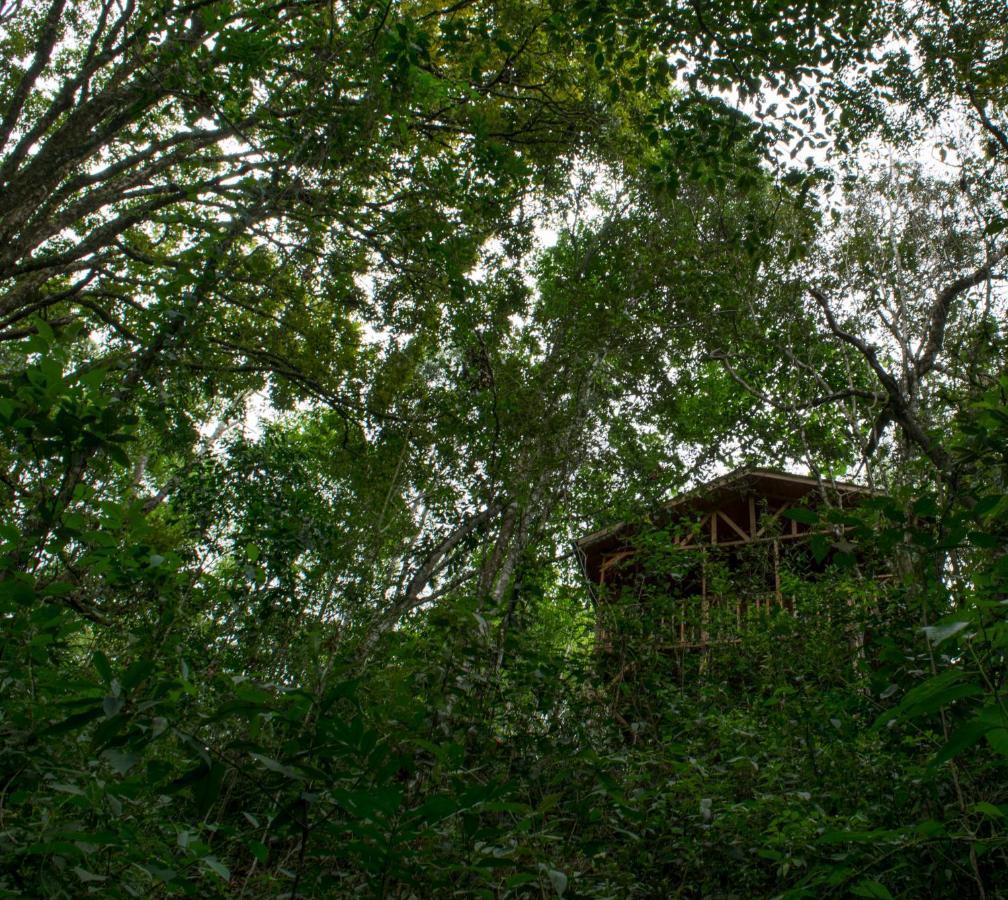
[898, 404]
[994, 130]
[845, 394]
[434, 560]
[940, 311]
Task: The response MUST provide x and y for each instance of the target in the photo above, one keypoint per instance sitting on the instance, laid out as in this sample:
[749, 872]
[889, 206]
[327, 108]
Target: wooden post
[776, 573]
[752, 537]
[706, 603]
[703, 601]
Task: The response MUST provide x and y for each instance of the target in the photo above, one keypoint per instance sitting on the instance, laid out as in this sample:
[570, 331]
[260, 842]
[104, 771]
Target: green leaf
[75, 721]
[436, 809]
[819, 545]
[46, 615]
[996, 226]
[962, 739]
[44, 330]
[844, 560]
[279, 767]
[930, 696]
[207, 789]
[558, 879]
[805, 516]
[988, 809]
[938, 633]
[217, 867]
[200, 771]
[926, 507]
[159, 873]
[121, 761]
[998, 740]
[870, 888]
[112, 705]
[86, 876]
[137, 673]
[522, 878]
[67, 789]
[988, 504]
[833, 836]
[59, 589]
[18, 590]
[929, 828]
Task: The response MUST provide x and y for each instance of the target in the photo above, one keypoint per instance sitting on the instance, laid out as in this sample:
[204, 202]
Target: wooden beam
[610, 561]
[728, 519]
[770, 521]
[698, 645]
[752, 517]
[762, 540]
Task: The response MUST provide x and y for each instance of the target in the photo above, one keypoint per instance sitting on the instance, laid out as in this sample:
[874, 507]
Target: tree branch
[43, 52]
[940, 311]
[845, 394]
[898, 404]
[994, 130]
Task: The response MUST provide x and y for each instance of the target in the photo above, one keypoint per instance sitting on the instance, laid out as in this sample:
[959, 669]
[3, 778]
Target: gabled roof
[772, 483]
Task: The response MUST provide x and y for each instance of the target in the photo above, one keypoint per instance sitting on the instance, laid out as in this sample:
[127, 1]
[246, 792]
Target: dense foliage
[325, 327]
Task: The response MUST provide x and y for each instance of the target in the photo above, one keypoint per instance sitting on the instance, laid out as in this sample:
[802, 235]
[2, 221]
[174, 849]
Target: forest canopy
[327, 327]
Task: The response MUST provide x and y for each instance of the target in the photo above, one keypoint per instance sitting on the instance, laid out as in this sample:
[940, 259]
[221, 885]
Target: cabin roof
[762, 482]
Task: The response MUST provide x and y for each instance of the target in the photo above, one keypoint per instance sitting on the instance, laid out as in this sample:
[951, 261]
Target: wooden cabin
[716, 555]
